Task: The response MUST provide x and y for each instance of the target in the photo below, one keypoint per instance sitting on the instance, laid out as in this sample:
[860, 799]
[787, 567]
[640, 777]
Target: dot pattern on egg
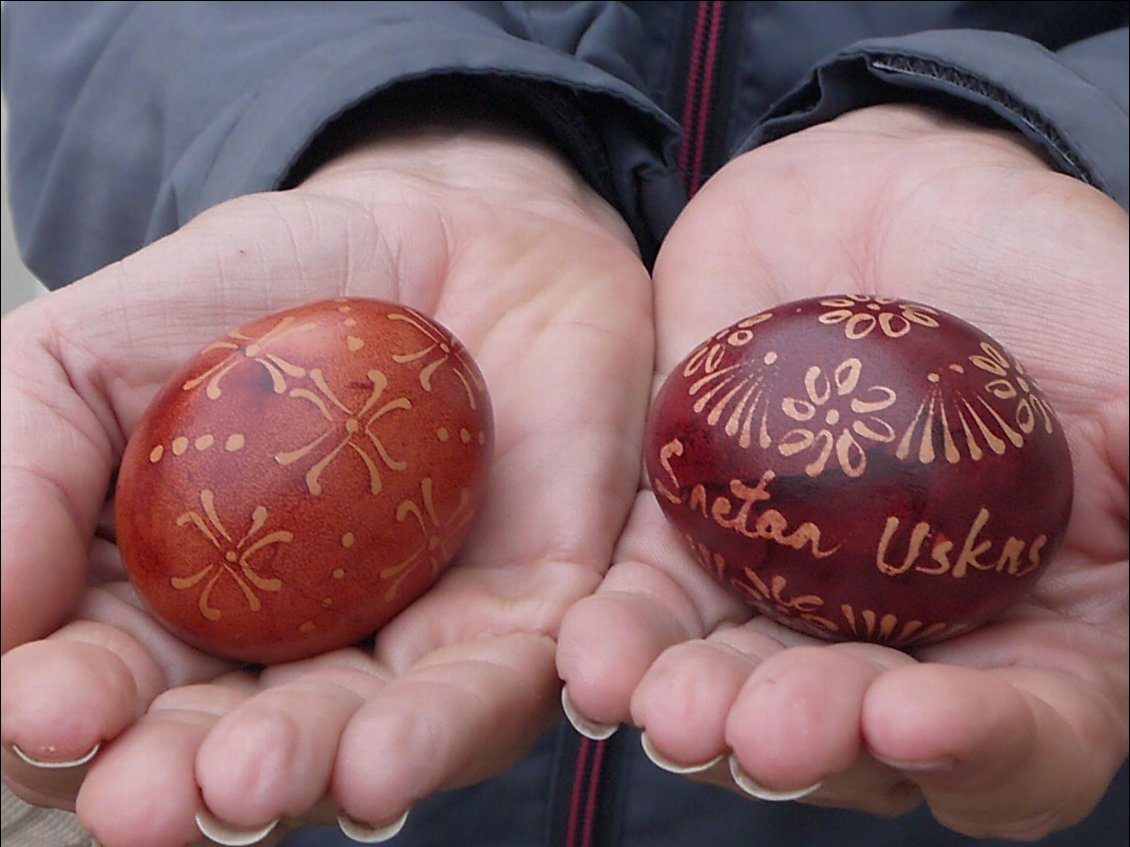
[180, 444]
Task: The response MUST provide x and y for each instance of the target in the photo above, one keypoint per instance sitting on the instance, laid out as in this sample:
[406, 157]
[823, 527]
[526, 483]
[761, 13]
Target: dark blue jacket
[127, 119]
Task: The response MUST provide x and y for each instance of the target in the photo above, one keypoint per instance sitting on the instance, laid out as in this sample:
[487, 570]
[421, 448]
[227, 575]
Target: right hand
[1013, 730]
[495, 236]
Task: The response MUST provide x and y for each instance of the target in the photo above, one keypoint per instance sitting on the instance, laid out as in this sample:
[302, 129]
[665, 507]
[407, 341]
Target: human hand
[492, 234]
[1013, 730]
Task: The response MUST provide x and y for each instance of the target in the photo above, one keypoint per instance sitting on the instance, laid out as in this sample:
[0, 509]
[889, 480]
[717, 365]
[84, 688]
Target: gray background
[24, 825]
[16, 282]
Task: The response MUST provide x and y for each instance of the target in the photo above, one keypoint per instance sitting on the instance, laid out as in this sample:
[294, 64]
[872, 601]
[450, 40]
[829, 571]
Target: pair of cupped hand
[571, 574]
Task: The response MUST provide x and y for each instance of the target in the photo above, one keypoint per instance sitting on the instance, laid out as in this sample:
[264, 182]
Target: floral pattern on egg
[862, 468]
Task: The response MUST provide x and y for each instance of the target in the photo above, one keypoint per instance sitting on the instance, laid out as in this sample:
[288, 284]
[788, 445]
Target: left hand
[493, 233]
[1013, 730]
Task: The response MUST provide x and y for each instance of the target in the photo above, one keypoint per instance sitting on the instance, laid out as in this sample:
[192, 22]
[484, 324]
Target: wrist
[448, 150]
[915, 123]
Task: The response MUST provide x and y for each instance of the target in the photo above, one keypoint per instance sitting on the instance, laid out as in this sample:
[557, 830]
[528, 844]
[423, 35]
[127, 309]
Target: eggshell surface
[304, 478]
[862, 468]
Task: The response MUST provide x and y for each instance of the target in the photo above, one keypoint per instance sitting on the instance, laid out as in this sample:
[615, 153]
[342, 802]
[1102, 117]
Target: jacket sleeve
[127, 119]
[1072, 102]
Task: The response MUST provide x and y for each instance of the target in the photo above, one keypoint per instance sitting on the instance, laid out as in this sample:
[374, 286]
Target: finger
[461, 714]
[104, 669]
[272, 756]
[64, 697]
[686, 698]
[1012, 753]
[654, 597]
[47, 788]
[56, 469]
[866, 786]
[609, 640]
[683, 699]
[796, 721]
[142, 790]
[40, 720]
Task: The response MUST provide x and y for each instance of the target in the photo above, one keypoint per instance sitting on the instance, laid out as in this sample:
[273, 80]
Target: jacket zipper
[593, 759]
[701, 92]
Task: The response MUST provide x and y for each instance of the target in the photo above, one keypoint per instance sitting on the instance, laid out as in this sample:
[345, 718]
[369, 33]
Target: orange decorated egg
[304, 478]
[862, 468]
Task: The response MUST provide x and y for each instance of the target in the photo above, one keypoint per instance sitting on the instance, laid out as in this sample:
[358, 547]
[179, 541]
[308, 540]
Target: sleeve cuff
[983, 74]
[617, 138]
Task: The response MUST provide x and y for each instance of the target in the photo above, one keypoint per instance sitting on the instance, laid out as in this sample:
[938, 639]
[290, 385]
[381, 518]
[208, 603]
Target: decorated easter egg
[304, 478]
[862, 468]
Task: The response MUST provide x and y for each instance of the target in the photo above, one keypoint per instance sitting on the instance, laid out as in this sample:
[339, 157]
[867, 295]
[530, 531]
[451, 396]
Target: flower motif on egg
[435, 533]
[839, 415]
[442, 351]
[236, 556]
[256, 349]
[1012, 382]
[353, 429]
[862, 314]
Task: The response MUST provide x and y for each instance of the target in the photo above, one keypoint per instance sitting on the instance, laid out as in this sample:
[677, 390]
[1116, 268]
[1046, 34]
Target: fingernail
[589, 729]
[666, 764]
[755, 789]
[912, 766]
[216, 830]
[363, 833]
[72, 763]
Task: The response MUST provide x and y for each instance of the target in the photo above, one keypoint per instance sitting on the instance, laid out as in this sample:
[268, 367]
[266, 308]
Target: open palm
[1012, 730]
[537, 277]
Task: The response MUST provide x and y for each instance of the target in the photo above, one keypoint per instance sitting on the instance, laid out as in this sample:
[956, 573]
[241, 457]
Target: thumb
[1010, 753]
[57, 462]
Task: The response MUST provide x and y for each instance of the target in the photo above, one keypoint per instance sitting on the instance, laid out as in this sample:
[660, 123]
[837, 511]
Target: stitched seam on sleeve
[934, 70]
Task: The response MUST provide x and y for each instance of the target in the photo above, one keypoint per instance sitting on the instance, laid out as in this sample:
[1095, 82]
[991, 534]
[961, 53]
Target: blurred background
[23, 825]
[16, 281]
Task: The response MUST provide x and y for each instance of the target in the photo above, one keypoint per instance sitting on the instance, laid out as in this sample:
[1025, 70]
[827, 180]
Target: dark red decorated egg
[304, 478]
[862, 468]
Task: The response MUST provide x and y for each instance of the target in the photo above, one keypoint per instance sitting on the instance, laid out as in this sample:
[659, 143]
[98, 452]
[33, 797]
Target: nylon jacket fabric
[648, 807]
[128, 119]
